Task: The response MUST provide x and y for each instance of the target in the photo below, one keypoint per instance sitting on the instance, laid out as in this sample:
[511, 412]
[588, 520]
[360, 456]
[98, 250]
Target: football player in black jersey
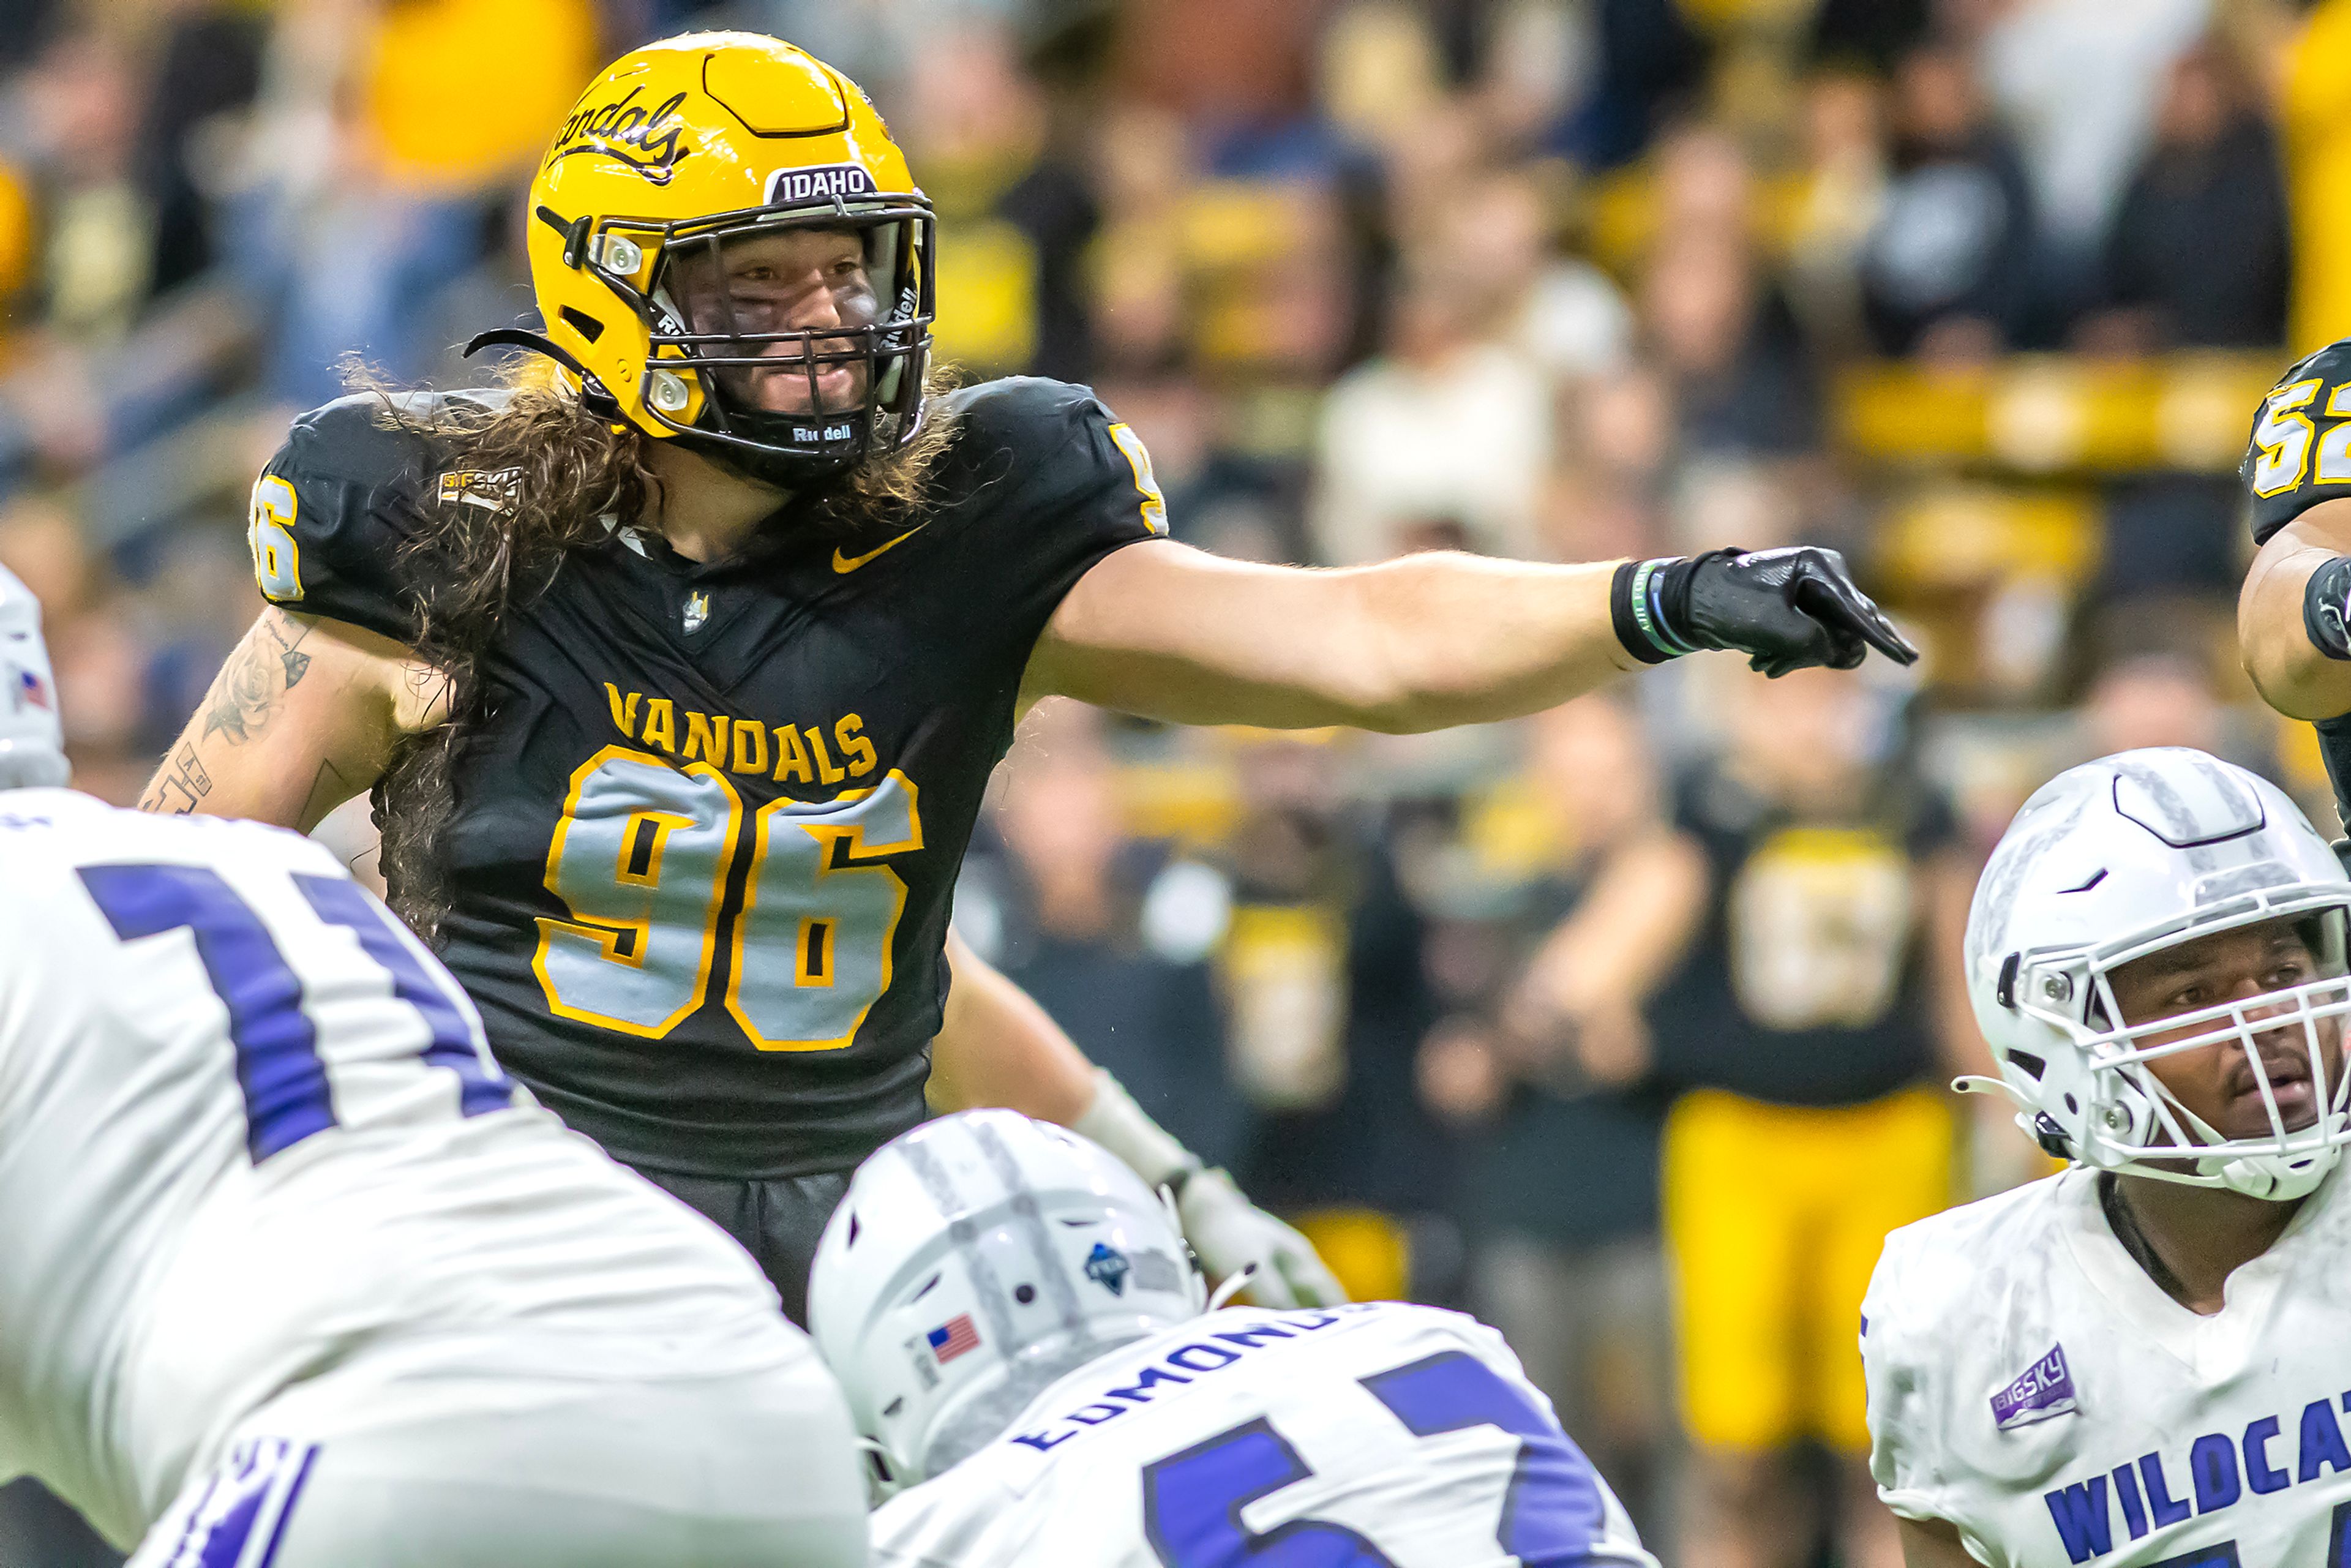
[677, 676]
[2292, 611]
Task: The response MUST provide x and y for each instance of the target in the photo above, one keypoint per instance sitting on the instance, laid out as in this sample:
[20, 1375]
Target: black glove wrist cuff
[2325, 601]
[1636, 607]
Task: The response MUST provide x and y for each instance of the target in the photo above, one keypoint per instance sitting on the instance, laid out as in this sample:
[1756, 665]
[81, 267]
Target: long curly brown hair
[557, 471]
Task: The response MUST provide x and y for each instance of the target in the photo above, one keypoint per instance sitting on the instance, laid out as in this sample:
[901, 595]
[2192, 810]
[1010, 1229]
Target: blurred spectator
[1560, 1169]
[1648, 62]
[2078, 81]
[1869, 33]
[1946, 272]
[1729, 348]
[1561, 311]
[1145, 168]
[1111, 935]
[1016, 203]
[2165, 698]
[1842, 192]
[1239, 70]
[207, 72]
[1447, 424]
[2197, 256]
[379, 151]
[1814, 895]
[2315, 76]
[101, 658]
[1328, 1001]
[98, 263]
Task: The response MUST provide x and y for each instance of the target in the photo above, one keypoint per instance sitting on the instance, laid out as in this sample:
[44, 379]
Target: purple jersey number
[286, 1096]
[1552, 1517]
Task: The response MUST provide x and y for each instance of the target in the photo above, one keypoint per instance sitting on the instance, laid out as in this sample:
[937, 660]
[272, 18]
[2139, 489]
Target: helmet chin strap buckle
[2037, 1125]
[2277, 1180]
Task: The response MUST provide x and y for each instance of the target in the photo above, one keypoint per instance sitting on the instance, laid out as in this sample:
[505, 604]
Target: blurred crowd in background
[1625, 1026]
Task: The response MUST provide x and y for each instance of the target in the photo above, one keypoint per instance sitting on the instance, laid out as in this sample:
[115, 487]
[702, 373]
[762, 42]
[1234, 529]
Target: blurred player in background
[678, 680]
[2293, 614]
[1027, 1348]
[2138, 1359]
[1785, 935]
[295, 1277]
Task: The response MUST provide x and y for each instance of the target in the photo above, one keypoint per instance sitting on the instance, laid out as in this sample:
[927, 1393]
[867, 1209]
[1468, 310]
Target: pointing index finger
[1838, 603]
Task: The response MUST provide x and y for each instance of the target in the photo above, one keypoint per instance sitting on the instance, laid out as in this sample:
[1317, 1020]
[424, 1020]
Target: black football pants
[778, 1222]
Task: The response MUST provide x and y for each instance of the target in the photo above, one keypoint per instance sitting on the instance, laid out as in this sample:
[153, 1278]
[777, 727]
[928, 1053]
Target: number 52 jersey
[1375, 1435]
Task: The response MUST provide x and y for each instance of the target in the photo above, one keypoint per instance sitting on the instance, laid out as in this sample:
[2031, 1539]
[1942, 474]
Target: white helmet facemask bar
[2133, 1122]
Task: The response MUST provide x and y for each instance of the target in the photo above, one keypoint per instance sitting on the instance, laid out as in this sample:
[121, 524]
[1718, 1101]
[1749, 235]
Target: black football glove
[1786, 609]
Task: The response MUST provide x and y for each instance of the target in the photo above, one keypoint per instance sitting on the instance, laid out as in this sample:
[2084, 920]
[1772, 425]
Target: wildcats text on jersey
[2219, 1470]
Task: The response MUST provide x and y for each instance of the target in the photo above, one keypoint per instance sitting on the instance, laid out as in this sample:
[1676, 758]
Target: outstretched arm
[303, 715]
[998, 1047]
[1426, 640]
[2298, 677]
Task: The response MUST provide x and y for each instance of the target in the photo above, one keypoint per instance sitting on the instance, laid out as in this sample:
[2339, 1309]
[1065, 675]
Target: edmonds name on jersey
[700, 861]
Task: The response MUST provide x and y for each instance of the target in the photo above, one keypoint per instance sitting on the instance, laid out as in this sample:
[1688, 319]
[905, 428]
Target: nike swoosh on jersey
[848, 563]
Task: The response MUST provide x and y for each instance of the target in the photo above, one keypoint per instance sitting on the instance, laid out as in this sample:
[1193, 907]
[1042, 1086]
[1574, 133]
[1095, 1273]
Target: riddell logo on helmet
[646, 139]
[821, 184]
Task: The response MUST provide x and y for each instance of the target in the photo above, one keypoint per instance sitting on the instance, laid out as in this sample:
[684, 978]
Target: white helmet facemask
[2135, 1122]
[2120, 861]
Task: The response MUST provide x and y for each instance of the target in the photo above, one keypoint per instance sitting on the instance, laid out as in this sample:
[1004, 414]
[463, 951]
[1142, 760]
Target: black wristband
[2324, 600]
[1636, 609]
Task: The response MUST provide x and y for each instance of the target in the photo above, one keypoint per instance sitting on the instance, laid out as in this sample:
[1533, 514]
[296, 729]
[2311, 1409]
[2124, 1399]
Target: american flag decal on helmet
[952, 1338]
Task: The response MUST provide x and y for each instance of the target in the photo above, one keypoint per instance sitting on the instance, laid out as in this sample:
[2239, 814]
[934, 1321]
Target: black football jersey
[704, 849]
[2300, 455]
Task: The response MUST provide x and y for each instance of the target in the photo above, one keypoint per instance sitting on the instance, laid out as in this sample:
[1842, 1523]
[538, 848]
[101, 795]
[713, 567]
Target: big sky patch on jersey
[703, 854]
[2040, 1391]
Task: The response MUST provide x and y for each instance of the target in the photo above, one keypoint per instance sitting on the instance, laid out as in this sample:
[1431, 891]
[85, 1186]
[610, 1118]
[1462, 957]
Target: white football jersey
[2032, 1385]
[1383, 1433]
[250, 1133]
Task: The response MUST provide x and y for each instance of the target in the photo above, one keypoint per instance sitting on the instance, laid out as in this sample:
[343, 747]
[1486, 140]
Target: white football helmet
[973, 1262]
[32, 746]
[2106, 863]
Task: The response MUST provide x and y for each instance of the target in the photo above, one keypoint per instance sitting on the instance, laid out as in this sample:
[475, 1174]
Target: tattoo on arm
[268, 664]
[178, 785]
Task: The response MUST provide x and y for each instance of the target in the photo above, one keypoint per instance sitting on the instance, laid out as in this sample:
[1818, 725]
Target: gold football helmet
[728, 251]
